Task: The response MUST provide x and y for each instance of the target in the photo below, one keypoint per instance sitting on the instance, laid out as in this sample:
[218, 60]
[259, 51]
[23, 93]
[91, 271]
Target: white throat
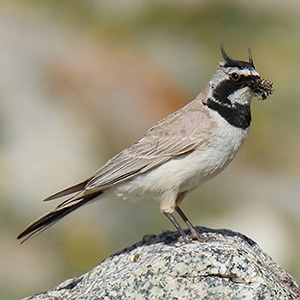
[242, 96]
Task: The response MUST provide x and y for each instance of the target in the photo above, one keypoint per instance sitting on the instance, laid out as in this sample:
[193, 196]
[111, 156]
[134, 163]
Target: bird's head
[236, 82]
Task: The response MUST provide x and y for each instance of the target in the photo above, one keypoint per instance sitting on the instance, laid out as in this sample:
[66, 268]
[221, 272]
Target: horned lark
[179, 153]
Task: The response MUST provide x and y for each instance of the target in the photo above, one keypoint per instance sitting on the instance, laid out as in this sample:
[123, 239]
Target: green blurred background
[80, 80]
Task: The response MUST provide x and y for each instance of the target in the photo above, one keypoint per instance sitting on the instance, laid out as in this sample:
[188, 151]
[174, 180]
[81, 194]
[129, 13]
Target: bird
[176, 155]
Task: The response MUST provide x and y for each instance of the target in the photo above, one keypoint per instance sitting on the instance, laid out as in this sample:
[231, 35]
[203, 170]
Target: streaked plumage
[179, 153]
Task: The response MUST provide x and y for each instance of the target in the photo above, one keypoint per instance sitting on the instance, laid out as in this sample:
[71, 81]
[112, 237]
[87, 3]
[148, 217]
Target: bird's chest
[210, 159]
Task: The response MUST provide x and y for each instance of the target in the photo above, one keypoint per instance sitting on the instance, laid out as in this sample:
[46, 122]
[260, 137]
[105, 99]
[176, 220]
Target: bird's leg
[178, 227]
[194, 233]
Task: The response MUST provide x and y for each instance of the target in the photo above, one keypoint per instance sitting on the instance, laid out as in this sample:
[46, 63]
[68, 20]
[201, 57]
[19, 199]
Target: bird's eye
[235, 76]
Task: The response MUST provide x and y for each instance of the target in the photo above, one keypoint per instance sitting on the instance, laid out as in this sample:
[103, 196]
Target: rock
[225, 265]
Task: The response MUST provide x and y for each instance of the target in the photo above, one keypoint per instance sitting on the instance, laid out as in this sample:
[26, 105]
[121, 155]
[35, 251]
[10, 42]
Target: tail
[55, 215]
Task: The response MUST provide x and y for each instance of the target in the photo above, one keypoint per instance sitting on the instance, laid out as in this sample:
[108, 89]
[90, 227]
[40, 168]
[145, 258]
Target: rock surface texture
[225, 265]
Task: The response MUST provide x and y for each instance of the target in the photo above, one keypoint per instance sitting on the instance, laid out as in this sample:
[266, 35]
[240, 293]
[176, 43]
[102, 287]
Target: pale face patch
[242, 96]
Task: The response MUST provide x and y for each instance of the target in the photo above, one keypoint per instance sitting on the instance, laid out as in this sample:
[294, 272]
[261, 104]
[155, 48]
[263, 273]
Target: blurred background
[81, 80]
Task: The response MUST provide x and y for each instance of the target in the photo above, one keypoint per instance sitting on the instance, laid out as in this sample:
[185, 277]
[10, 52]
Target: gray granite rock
[226, 265]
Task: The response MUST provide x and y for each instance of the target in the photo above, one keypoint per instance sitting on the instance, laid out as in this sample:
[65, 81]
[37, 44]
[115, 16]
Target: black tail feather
[54, 216]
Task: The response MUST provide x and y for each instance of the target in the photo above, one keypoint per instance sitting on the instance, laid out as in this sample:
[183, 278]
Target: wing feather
[176, 135]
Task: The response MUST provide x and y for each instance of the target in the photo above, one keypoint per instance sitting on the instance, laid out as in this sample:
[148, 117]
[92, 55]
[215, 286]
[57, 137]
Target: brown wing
[177, 134]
